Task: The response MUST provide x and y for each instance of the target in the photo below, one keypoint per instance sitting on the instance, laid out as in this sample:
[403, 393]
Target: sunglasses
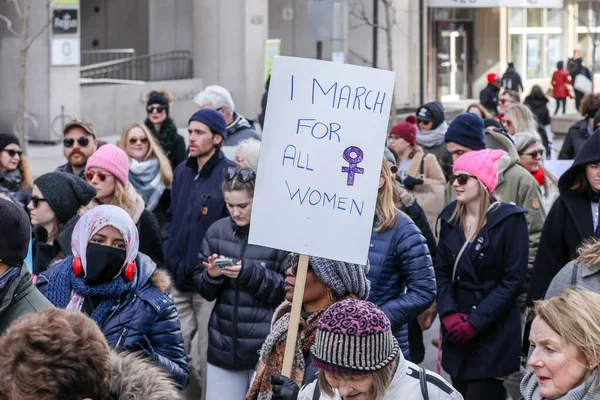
[134, 140]
[12, 153]
[535, 154]
[461, 178]
[36, 201]
[91, 174]
[394, 169]
[243, 175]
[82, 140]
[153, 109]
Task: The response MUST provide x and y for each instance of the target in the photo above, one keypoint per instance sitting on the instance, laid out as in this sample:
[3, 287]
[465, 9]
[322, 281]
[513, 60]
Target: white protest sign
[558, 167]
[320, 158]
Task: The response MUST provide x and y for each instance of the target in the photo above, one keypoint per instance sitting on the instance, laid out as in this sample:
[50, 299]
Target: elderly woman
[246, 154]
[565, 337]
[327, 282]
[531, 153]
[380, 373]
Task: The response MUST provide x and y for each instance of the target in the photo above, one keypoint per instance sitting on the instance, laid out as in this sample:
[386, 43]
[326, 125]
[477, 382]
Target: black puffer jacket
[241, 319]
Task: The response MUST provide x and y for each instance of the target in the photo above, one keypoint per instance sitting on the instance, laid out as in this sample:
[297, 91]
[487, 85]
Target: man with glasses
[515, 185]
[239, 128]
[196, 203]
[79, 144]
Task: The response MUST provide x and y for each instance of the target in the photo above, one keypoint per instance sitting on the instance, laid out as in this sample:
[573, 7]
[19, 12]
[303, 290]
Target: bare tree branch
[9, 25]
[17, 8]
[42, 29]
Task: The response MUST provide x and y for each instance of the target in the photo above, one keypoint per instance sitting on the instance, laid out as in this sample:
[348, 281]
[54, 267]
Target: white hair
[215, 96]
[250, 149]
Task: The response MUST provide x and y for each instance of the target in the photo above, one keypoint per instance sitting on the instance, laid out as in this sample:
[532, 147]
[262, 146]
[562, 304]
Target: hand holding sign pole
[319, 166]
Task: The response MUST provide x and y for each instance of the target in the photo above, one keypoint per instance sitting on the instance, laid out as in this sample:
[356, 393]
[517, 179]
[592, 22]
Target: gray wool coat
[587, 277]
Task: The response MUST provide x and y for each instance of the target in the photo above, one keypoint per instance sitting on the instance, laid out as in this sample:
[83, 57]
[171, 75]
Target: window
[535, 40]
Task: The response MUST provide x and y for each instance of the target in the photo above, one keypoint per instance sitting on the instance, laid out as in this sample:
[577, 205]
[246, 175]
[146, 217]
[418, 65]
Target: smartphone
[224, 262]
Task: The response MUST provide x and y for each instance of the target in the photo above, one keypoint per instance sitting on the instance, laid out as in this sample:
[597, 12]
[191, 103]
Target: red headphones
[128, 274]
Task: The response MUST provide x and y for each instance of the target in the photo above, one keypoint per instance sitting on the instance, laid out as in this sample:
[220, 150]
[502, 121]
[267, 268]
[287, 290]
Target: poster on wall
[65, 52]
[320, 158]
[64, 21]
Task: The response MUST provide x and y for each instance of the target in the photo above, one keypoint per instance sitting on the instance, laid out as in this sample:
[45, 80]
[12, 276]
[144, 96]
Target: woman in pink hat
[107, 170]
[480, 269]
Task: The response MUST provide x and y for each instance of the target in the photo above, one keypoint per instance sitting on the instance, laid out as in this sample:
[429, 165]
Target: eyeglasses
[12, 153]
[134, 140]
[101, 175]
[535, 154]
[36, 201]
[422, 121]
[157, 109]
[461, 178]
[394, 169]
[243, 175]
[82, 140]
[392, 138]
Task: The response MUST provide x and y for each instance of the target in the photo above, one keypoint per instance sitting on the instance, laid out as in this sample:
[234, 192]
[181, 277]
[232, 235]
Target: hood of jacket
[239, 123]
[149, 273]
[536, 101]
[136, 378]
[589, 153]
[498, 141]
[437, 111]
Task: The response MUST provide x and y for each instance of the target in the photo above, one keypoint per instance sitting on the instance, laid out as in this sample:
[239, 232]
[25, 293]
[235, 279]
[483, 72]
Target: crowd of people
[142, 283]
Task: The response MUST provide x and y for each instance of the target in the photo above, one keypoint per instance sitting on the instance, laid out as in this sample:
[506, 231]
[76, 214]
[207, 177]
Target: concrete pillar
[228, 48]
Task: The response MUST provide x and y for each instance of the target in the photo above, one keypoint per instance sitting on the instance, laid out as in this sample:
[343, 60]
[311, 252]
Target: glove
[452, 321]
[284, 388]
[410, 182]
[465, 332]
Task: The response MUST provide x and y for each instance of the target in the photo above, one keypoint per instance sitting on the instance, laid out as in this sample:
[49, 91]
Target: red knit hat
[406, 129]
[492, 77]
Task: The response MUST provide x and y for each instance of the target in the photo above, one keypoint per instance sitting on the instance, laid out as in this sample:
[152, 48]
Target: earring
[330, 296]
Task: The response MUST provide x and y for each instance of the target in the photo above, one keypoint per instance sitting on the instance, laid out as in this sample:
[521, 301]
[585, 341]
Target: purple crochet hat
[354, 337]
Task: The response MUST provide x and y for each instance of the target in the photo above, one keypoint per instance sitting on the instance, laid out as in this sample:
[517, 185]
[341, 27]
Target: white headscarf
[97, 218]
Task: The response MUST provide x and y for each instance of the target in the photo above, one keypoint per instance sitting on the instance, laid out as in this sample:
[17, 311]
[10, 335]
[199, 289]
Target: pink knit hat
[111, 159]
[481, 164]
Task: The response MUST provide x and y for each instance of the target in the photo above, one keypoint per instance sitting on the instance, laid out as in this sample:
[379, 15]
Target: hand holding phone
[223, 262]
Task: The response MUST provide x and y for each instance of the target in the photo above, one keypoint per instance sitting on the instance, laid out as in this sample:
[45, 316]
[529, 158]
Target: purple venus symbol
[354, 156]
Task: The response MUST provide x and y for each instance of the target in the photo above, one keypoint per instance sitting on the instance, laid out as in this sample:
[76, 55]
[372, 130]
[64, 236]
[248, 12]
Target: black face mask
[103, 263]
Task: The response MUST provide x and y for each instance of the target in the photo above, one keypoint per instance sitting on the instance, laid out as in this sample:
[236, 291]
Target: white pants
[194, 313]
[223, 384]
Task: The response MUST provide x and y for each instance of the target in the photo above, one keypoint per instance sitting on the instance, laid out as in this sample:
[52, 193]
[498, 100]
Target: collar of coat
[208, 168]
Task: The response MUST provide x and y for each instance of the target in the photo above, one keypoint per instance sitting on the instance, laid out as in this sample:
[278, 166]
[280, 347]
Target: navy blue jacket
[196, 203]
[486, 287]
[401, 275]
[241, 319]
[145, 317]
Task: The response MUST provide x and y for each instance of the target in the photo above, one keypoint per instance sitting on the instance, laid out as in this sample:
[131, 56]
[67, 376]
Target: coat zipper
[124, 332]
[235, 306]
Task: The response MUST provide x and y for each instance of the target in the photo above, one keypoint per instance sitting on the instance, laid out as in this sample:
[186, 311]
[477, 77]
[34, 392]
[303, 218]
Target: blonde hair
[121, 198]
[381, 381]
[575, 316]
[460, 212]
[385, 210]
[484, 112]
[250, 150]
[154, 151]
[522, 118]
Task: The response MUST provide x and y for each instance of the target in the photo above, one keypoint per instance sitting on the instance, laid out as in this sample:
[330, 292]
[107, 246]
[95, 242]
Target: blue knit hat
[467, 130]
[213, 119]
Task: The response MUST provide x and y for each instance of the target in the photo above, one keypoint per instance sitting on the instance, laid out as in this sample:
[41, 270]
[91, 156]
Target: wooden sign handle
[292, 334]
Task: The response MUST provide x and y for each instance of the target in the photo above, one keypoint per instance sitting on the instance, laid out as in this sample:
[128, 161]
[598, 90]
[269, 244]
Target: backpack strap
[574, 275]
[317, 392]
[423, 384]
[422, 167]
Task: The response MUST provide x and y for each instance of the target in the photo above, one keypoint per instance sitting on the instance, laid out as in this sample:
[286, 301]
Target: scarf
[539, 176]
[167, 133]
[146, 179]
[588, 390]
[273, 349]
[434, 137]
[10, 185]
[65, 284]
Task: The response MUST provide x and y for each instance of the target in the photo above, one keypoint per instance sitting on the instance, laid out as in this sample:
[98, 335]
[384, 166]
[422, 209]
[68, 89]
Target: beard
[71, 157]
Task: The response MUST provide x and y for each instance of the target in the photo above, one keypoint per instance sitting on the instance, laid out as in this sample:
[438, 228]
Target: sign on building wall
[495, 3]
[64, 21]
[320, 158]
[272, 50]
[65, 52]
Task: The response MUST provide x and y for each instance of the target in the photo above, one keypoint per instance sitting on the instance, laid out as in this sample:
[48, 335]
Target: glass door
[452, 65]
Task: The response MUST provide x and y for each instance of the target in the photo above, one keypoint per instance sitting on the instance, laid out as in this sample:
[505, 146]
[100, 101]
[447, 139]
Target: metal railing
[89, 57]
[176, 64]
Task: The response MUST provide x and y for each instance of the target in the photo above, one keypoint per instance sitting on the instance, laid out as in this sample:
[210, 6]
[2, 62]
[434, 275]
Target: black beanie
[6, 139]
[65, 193]
[15, 233]
[158, 98]
[467, 130]
[492, 122]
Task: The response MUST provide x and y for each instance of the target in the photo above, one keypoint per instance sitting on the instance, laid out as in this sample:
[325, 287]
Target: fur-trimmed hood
[134, 377]
[161, 280]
